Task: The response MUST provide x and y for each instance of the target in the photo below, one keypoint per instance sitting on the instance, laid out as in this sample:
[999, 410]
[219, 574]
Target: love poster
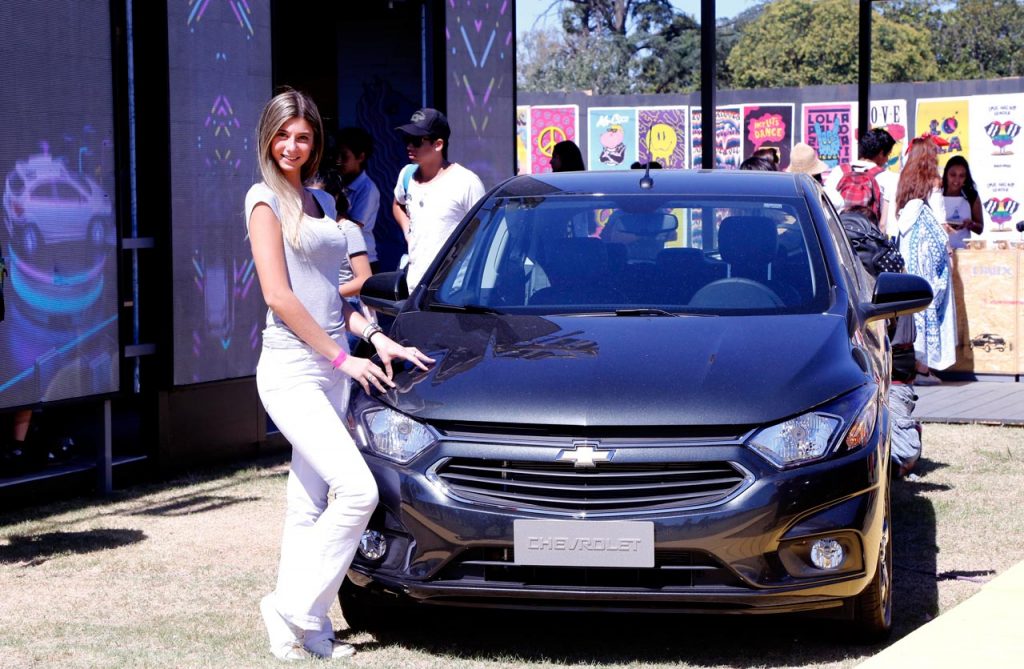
[549, 125]
[947, 118]
[662, 134]
[828, 129]
[891, 115]
[768, 126]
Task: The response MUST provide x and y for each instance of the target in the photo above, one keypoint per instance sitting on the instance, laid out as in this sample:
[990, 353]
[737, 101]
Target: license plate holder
[584, 543]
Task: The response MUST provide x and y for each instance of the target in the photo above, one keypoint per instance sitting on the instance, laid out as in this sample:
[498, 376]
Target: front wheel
[872, 609]
[366, 611]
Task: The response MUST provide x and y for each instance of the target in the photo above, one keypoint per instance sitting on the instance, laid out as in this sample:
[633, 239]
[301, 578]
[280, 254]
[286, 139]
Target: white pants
[306, 399]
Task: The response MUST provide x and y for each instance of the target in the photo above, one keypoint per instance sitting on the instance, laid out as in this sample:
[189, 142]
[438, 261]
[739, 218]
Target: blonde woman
[303, 377]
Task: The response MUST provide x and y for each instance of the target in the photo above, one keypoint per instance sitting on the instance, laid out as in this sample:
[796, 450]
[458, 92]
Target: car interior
[585, 255]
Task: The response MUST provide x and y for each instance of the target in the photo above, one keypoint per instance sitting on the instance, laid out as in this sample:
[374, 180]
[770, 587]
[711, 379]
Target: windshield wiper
[463, 308]
[644, 311]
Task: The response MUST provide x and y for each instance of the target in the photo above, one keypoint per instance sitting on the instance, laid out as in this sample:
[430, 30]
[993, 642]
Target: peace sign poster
[549, 125]
[828, 128]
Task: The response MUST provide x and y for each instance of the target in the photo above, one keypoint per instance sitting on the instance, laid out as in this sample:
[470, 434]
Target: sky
[527, 11]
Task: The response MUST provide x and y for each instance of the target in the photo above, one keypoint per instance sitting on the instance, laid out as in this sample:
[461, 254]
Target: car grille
[673, 569]
[557, 486]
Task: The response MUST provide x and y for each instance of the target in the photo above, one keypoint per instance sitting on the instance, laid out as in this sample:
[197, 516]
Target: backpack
[861, 189]
[877, 252]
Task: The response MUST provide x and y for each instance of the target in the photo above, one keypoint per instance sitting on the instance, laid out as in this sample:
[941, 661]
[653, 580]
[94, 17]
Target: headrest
[576, 258]
[748, 240]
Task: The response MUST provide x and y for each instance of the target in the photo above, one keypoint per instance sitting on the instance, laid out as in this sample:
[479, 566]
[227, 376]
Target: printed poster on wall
[768, 126]
[549, 125]
[728, 137]
[997, 161]
[662, 134]
[949, 119]
[891, 115]
[828, 128]
[611, 138]
[523, 139]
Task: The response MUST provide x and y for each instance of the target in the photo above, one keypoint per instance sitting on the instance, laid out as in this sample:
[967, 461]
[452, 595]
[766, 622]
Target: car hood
[622, 371]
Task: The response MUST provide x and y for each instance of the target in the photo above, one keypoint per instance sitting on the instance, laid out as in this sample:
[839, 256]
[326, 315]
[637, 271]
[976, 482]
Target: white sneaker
[285, 639]
[330, 648]
[928, 379]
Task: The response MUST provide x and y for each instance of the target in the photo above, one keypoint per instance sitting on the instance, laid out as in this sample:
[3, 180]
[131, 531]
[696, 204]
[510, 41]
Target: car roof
[665, 182]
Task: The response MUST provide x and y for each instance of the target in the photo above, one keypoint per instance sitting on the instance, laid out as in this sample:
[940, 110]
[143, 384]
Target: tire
[363, 610]
[988, 348]
[872, 609]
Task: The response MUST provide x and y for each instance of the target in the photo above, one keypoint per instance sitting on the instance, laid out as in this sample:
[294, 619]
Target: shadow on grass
[35, 549]
[192, 502]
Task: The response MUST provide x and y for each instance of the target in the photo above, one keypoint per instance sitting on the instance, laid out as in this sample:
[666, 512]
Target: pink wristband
[339, 359]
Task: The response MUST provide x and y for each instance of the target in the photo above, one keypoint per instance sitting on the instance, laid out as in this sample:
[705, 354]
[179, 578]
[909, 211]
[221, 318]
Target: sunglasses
[416, 140]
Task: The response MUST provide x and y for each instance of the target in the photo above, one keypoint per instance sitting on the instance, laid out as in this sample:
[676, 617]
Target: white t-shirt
[363, 203]
[435, 209]
[312, 271]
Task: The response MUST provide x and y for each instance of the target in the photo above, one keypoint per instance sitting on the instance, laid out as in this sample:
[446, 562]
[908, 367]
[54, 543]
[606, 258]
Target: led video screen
[220, 77]
[58, 238]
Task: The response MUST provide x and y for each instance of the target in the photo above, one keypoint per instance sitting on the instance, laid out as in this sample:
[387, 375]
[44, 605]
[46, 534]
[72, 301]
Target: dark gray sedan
[660, 392]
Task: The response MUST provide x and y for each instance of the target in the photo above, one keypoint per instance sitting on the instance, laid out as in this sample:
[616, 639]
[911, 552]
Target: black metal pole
[708, 83]
[864, 69]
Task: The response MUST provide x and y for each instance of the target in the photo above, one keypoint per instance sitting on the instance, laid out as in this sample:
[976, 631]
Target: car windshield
[635, 255]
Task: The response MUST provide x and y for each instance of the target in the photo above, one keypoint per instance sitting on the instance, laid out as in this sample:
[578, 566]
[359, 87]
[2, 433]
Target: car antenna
[646, 182]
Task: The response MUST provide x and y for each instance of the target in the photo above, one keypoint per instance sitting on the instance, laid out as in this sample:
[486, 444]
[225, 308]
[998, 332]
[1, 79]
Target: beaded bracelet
[370, 330]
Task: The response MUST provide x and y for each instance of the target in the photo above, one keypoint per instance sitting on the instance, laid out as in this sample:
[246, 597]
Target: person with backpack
[924, 245]
[878, 253]
[866, 182]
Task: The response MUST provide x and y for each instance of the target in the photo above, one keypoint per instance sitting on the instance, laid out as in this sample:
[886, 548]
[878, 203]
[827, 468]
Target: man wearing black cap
[432, 195]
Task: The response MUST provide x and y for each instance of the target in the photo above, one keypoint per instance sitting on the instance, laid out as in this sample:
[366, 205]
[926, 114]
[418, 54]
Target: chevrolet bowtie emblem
[584, 454]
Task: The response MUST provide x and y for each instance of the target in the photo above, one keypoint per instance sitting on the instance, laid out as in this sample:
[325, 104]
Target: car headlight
[797, 440]
[395, 436]
[811, 436]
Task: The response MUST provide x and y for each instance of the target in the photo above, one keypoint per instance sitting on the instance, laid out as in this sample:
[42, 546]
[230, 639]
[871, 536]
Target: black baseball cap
[427, 122]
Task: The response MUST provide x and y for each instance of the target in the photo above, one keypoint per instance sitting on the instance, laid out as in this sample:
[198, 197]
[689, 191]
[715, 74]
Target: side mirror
[897, 295]
[386, 292]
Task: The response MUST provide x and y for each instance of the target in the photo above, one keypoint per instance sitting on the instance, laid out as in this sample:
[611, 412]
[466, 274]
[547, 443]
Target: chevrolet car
[655, 391]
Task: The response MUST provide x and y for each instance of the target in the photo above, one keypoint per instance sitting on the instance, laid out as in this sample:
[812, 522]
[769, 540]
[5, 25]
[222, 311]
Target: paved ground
[997, 402]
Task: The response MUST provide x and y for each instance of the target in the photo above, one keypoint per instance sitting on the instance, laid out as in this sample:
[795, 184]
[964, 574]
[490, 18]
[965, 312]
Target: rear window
[596, 254]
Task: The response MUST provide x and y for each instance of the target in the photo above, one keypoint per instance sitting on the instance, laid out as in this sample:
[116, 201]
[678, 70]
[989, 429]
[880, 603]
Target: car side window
[851, 267]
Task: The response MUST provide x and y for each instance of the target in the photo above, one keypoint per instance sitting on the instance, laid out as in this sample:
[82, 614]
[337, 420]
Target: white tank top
[958, 210]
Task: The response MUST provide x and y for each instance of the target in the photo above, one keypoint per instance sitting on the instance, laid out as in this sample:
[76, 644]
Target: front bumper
[735, 556]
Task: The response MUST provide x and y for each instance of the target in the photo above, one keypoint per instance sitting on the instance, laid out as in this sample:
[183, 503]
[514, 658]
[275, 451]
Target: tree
[981, 39]
[613, 46]
[808, 42]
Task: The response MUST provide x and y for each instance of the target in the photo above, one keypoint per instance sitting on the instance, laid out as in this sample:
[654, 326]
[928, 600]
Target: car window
[851, 266]
[595, 254]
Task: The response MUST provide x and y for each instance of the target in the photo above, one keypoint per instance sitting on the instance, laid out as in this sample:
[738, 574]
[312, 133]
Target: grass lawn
[170, 575]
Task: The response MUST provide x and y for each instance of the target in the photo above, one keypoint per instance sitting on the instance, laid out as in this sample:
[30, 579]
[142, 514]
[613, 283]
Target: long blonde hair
[284, 106]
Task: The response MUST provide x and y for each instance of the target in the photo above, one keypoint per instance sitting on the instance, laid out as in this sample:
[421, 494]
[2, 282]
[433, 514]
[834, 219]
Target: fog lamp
[373, 545]
[827, 554]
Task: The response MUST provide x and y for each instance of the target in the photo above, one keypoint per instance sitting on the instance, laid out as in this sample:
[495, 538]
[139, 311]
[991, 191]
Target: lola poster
[949, 119]
[728, 137]
[662, 135]
[828, 128]
[768, 126]
[549, 125]
[611, 138]
[891, 115]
